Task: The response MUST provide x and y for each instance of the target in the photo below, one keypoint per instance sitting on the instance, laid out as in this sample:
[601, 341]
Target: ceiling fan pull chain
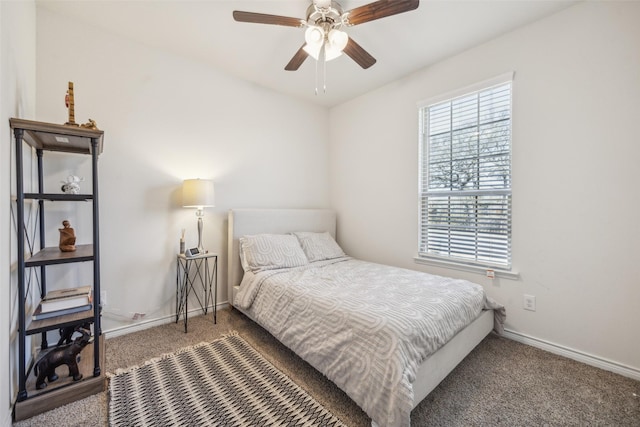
[323, 58]
[317, 78]
[324, 77]
[324, 70]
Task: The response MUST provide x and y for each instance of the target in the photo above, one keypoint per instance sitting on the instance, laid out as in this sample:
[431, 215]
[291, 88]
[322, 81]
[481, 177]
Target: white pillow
[261, 252]
[319, 246]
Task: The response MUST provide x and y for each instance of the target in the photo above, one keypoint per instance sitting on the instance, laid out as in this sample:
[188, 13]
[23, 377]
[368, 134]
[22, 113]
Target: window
[465, 177]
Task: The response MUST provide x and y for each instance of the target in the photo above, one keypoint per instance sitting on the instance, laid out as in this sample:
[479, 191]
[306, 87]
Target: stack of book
[64, 301]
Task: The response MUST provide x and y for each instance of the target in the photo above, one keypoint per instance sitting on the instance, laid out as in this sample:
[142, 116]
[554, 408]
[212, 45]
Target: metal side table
[200, 272]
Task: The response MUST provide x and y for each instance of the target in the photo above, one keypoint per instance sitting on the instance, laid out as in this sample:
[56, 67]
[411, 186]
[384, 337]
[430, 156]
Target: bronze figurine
[67, 237]
[64, 355]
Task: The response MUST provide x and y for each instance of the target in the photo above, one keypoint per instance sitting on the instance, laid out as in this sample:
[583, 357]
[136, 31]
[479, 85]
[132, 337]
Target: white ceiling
[205, 31]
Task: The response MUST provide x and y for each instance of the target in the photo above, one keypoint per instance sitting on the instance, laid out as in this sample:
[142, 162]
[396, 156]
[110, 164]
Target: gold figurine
[69, 102]
[91, 124]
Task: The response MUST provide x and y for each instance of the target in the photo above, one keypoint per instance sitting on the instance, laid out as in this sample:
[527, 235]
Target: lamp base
[200, 248]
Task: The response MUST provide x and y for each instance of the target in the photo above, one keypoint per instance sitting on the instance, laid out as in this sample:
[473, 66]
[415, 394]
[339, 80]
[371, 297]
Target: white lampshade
[330, 52]
[197, 193]
[333, 44]
[338, 39]
[314, 35]
[313, 50]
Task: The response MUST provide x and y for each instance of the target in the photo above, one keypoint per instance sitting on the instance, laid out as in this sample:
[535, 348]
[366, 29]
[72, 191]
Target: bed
[291, 302]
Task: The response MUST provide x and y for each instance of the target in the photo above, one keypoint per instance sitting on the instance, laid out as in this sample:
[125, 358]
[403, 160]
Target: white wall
[166, 119]
[17, 99]
[576, 104]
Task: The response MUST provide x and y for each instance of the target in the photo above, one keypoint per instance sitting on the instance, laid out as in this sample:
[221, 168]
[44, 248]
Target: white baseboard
[146, 324]
[570, 353]
[598, 362]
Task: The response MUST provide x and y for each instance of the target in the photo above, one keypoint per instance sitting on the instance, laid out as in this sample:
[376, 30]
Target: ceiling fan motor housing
[327, 17]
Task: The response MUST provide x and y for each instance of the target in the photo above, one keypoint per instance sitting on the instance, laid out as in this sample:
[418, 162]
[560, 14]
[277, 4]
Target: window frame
[464, 263]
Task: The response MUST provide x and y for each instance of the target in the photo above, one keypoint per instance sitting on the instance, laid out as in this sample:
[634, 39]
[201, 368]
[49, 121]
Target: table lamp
[198, 193]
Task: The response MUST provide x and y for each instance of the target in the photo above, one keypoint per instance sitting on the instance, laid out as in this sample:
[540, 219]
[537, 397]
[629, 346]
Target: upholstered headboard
[272, 221]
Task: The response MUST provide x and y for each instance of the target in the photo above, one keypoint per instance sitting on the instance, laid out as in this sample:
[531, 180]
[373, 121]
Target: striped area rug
[223, 383]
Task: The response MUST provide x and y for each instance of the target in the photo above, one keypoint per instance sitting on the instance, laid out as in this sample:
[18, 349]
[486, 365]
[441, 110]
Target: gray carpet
[502, 382]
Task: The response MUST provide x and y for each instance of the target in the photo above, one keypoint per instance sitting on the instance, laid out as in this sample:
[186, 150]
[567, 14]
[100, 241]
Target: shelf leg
[22, 380]
[97, 306]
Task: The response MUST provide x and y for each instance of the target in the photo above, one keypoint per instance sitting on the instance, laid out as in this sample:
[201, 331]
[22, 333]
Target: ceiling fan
[324, 37]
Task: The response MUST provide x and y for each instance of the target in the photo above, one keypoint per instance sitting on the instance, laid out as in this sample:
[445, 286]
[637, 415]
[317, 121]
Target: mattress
[366, 326]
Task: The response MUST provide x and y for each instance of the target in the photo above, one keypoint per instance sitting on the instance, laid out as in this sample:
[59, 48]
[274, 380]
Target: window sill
[507, 274]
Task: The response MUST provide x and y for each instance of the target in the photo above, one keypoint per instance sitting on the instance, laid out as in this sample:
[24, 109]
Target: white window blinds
[465, 178]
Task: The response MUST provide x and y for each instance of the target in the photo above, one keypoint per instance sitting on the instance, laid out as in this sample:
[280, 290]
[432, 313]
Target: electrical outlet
[103, 298]
[529, 302]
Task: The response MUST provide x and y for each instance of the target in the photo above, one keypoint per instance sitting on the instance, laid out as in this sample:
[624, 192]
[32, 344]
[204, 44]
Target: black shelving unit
[66, 139]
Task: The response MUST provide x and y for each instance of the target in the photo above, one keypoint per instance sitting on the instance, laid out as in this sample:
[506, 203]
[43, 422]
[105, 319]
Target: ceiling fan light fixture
[314, 35]
[313, 50]
[330, 52]
[338, 39]
[333, 43]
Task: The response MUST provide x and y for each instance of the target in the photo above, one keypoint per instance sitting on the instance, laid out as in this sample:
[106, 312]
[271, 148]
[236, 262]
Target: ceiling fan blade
[379, 9]
[262, 18]
[297, 60]
[358, 54]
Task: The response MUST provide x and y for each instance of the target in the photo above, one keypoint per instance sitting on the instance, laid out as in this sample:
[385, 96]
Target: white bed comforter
[366, 326]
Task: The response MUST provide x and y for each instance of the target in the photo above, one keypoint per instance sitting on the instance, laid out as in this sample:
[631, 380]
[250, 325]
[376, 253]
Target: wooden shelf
[53, 137]
[64, 390]
[59, 197]
[53, 255]
[58, 322]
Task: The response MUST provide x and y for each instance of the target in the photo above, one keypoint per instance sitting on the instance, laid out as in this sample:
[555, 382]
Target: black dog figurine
[64, 355]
